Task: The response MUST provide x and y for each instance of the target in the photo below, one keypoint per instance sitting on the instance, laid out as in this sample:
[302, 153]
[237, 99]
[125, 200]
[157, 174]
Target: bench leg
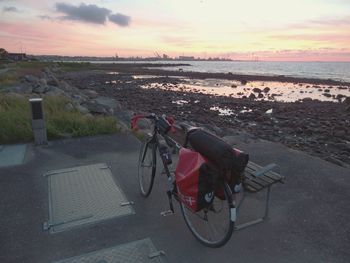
[259, 220]
[267, 203]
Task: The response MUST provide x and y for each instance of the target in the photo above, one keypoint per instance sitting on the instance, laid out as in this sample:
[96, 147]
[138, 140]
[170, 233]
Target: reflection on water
[180, 102]
[222, 111]
[259, 90]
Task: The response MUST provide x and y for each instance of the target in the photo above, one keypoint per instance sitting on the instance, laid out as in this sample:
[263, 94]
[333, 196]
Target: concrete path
[309, 222]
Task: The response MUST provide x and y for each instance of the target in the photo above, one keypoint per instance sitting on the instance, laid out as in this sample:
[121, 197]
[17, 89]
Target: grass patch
[19, 69]
[8, 79]
[16, 121]
[75, 66]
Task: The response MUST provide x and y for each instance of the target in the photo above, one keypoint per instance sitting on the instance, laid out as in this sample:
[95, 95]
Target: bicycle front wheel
[147, 167]
[213, 225]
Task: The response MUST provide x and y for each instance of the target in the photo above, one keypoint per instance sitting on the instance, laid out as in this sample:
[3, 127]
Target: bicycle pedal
[167, 213]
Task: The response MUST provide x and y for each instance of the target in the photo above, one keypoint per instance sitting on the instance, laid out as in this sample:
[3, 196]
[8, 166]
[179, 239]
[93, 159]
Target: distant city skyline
[274, 30]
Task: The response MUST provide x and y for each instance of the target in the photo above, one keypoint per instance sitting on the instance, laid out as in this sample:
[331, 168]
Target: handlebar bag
[194, 179]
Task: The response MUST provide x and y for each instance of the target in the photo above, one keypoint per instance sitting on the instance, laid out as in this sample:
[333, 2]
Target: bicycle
[214, 224]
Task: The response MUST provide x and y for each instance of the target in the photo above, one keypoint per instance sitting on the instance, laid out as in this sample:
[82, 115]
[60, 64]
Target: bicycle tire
[146, 168]
[190, 216]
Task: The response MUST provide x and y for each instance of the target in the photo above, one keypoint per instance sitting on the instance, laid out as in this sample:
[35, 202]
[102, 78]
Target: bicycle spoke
[212, 225]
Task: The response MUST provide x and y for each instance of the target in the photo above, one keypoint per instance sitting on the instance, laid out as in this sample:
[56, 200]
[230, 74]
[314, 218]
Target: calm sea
[324, 70]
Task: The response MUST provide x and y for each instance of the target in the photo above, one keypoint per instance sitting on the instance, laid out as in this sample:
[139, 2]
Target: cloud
[120, 19]
[46, 17]
[83, 12]
[10, 9]
[90, 13]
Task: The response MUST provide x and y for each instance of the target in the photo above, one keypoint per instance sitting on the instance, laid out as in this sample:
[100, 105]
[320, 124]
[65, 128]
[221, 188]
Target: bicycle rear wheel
[212, 226]
[146, 167]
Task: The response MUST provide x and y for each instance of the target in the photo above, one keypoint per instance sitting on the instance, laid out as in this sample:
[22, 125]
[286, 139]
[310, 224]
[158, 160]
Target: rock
[340, 133]
[91, 94]
[256, 90]
[63, 85]
[78, 98]
[266, 90]
[327, 95]
[108, 102]
[93, 107]
[244, 82]
[69, 107]
[40, 86]
[334, 160]
[260, 95]
[347, 101]
[252, 96]
[83, 110]
[43, 82]
[340, 96]
[308, 99]
[31, 78]
[22, 88]
[53, 81]
[327, 90]
[55, 91]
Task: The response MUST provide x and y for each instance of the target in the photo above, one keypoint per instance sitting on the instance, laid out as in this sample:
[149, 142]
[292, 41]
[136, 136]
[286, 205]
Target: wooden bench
[256, 178]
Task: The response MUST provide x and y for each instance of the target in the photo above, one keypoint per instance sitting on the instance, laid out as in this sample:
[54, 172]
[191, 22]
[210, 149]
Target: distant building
[16, 56]
[186, 57]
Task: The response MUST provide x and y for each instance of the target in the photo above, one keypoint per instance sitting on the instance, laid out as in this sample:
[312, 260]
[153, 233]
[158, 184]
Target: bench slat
[254, 183]
[264, 177]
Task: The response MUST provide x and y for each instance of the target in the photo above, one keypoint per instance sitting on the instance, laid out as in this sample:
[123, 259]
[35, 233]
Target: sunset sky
[311, 30]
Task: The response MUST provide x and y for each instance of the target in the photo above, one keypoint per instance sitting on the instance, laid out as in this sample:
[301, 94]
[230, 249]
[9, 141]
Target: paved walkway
[309, 214]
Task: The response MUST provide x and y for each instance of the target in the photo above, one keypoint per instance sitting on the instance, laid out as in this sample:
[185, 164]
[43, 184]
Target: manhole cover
[138, 251]
[12, 154]
[83, 195]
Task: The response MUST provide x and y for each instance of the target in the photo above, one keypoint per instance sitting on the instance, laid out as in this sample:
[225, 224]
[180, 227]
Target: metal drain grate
[138, 251]
[83, 195]
[12, 155]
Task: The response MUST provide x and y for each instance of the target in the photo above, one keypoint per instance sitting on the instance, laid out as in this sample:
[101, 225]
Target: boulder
[108, 102]
[53, 81]
[40, 87]
[69, 107]
[252, 96]
[55, 91]
[22, 88]
[83, 110]
[266, 89]
[96, 108]
[91, 94]
[31, 78]
[256, 90]
[347, 101]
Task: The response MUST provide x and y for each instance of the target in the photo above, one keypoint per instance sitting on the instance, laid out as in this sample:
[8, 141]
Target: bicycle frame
[170, 178]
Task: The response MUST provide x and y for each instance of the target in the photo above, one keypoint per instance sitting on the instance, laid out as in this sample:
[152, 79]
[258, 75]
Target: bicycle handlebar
[170, 120]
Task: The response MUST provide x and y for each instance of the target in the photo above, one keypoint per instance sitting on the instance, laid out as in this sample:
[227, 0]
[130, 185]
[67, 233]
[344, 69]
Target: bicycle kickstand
[171, 210]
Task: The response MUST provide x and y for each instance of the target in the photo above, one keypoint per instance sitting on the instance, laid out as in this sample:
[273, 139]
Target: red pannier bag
[194, 180]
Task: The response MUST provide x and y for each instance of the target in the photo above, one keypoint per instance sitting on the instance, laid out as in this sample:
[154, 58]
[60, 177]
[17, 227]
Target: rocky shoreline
[319, 128]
